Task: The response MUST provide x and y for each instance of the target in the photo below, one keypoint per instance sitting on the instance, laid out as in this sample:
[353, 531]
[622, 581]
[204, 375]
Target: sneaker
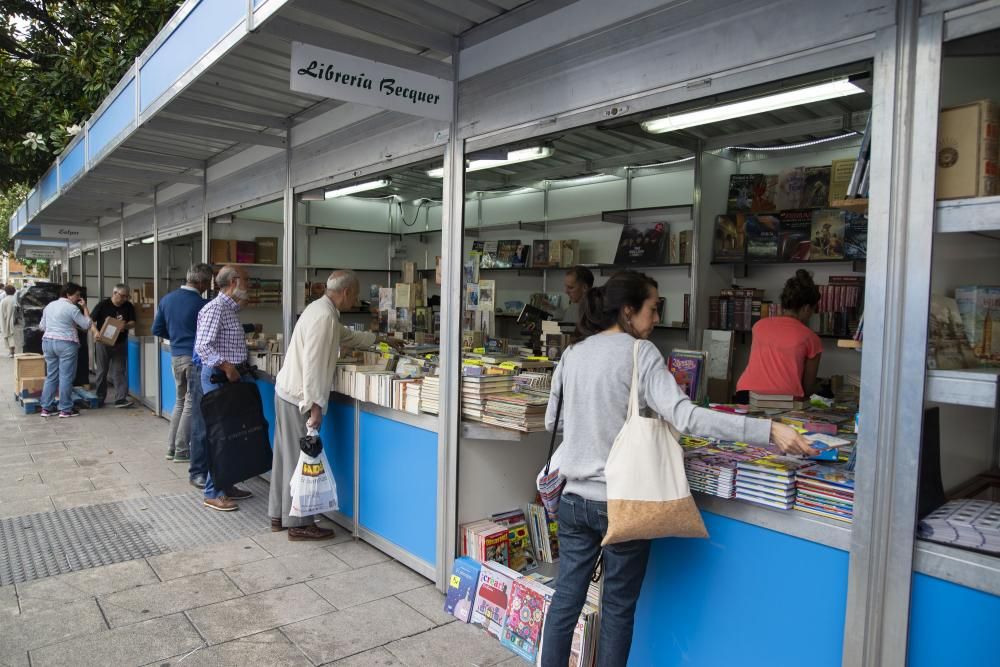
[237, 493]
[182, 458]
[198, 481]
[309, 533]
[45, 412]
[170, 456]
[222, 504]
[123, 403]
[66, 414]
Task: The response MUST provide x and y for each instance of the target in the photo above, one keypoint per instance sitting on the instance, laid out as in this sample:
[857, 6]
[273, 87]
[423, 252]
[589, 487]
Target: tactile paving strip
[50, 543]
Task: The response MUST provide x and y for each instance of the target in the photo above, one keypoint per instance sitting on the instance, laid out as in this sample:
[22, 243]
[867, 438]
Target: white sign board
[67, 232]
[340, 76]
[43, 253]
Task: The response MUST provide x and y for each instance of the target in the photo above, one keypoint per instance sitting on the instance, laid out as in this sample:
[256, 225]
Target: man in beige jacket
[302, 390]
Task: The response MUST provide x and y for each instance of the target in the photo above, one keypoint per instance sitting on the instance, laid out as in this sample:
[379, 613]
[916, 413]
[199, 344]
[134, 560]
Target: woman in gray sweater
[594, 378]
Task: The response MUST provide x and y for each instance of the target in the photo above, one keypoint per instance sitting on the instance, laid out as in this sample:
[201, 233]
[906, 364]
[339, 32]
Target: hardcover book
[816, 189]
[522, 256]
[947, 343]
[741, 192]
[827, 234]
[489, 257]
[791, 187]
[729, 240]
[642, 243]
[979, 306]
[796, 234]
[506, 252]
[462, 588]
[840, 178]
[855, 236]
[763, 233]
[540, 253]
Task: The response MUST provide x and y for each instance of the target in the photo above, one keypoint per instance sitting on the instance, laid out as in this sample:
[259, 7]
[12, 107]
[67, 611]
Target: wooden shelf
[853, 205]
[849, 344]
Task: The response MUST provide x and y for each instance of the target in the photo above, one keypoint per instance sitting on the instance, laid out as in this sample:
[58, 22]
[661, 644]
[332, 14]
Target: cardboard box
[28, 365]
[267, 249]
[147, 291]
[112, 328]
[31, 386]
[144, 314]
[246, 252]
[409, 272]
[967, 151]
[223, 251]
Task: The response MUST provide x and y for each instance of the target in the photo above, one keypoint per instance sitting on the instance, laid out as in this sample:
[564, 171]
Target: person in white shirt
[302, 390]
[7, 305]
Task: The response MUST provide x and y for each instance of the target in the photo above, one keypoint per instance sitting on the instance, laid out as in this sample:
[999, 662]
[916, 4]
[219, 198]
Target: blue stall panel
[695, 600]
[952, 625]
[399, 484]
[49, 185]
[168, 389]
[337, 434]
[72, 164]
[266, 390]
[134, 367]
[118, 116]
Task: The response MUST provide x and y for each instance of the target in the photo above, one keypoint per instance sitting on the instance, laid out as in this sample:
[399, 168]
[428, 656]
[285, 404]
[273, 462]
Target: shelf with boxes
[263, 251]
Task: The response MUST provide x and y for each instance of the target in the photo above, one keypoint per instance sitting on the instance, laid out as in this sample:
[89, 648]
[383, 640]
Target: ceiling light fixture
[148, 240]
[513, 157]
[359, 187]
[817, 93]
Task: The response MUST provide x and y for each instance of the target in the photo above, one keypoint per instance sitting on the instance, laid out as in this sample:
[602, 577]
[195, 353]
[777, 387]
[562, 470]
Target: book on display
[763, 236]
[522, 631]
[492, 597]
[462, 588]
[827, 234]
[968, 523]
[796, 235]
[769, 481]
[825, 490]
[642, 243]
[729, 240]
[816, 188]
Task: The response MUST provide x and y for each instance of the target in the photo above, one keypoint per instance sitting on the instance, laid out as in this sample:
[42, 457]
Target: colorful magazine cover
[462, 588]
[687, 371]
[829, 475]
[522, 630]
[492, 597]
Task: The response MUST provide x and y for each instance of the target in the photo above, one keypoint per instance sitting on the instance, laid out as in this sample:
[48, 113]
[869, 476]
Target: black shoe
[123, 403]
[198, 481]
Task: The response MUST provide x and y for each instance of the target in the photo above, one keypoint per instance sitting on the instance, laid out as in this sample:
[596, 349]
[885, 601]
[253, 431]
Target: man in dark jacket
[113, 359]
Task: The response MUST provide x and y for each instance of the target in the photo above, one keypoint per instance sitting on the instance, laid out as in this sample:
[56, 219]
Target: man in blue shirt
[177, 320]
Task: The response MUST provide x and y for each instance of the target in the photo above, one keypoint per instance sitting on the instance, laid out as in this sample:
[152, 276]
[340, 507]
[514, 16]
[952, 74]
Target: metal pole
[204, 215]
[156, 300]
[100, 263]
[124, 257]
[288, 295]
[449, 429]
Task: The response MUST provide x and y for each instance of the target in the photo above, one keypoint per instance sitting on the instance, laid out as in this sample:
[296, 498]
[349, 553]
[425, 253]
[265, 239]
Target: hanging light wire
[789, 147]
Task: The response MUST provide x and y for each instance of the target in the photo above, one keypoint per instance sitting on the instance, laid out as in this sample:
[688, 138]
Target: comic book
[492, 593]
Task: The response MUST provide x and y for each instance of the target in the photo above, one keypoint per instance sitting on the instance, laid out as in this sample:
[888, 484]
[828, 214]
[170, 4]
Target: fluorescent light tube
[359, 187]
[513, 157]
[148, 240]
[790, 98]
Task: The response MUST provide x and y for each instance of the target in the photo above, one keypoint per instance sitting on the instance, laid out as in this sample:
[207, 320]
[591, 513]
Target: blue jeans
[207, 387]
[582, 525]
[60, 369]
[199, 455]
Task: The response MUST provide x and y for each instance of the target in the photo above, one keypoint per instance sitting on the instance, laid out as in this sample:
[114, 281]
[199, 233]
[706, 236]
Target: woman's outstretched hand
[789, 441]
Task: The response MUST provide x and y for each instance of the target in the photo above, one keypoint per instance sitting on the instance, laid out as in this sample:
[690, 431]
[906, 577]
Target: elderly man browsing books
[303, 389]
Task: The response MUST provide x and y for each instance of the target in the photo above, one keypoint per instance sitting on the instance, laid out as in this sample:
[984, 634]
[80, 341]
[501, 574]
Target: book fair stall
[860, 148]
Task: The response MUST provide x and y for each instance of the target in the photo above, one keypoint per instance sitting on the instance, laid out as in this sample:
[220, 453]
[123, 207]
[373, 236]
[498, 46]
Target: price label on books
[383, 347]
[537, 358]
[479, 350]
[508, 365]
[472, 362]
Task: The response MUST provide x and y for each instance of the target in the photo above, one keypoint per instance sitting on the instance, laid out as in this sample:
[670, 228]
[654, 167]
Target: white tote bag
[648, 493]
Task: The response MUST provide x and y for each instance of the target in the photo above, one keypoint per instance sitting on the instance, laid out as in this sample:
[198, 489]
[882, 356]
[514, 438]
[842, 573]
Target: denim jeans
[207, 386]
[180, 420]
[199, 455]
[60, 369]
[582, 525]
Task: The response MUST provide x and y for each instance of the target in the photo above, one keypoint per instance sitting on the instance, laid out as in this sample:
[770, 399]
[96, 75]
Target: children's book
[492, 597]
[462, 588]
[763, 233]
[522, 555]
[642, 243]
[827, 234]
[522, 630]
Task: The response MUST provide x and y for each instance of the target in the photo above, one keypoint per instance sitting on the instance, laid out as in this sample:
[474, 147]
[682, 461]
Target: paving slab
[171, 487]
[267, 648]
[271, 573]
[377, 657]
[123, 478]
[452, 645]
[27, 491]
[278, 544]
[429, 602]
[214, 557]
[8, 600]
[357, 554]
[138, 644]
[347, 589]
[15, 457]
[256, 613]
[69, 500]
[34, 629]
[26, 506]
[162, 599]
[355, 630]
[64, 588]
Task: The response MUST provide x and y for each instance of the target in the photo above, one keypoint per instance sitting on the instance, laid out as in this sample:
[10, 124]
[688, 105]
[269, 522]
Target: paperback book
[855, 236]
[522, 631]
[462, 588]
[492, 597]
[791, 189]
[642, 243]
[729, 240]
[827, 234]
[816, 189]
[796, 234]
[762, 237]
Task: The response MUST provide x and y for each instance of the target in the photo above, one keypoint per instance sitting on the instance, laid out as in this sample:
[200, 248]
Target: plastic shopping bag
[313, 488]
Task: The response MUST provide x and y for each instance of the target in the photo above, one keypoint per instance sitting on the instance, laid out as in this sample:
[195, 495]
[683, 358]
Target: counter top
[829, 532]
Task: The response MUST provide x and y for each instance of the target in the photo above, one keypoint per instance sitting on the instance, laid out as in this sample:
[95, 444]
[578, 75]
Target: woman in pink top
[784, 356]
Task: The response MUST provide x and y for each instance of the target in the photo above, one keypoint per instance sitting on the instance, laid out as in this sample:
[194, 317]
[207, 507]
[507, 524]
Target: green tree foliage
[58, 60]
[10, 198]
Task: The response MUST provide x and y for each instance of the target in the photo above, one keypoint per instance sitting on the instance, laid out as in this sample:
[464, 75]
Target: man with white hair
[113, 359]
[302, 390]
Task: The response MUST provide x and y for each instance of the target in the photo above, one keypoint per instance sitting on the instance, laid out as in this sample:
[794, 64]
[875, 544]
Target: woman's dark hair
[69, 289]
[800, 291]
[582, 274]
[604, 306]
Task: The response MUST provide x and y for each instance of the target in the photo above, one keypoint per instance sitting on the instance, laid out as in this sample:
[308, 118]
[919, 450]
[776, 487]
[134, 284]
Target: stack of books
[486, 540]
[430, 393]
[521, 411]
[968, 523]
[825, 491]
[711, 469]
[774, 401]
[544, 534]
[769, 481]
[475, 391]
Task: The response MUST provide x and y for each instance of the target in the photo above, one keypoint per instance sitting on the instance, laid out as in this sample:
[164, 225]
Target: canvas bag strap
[633, 397]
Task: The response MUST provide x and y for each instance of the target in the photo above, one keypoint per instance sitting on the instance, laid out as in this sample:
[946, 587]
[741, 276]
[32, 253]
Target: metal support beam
[156, 300]
[205, 230]
[149, 157]
[185, 107]
[299, 32]
[453, 213]
[288, 292]
[143, 176]
[124, 259]
[379, 24]
[216, 132]
[100, 263]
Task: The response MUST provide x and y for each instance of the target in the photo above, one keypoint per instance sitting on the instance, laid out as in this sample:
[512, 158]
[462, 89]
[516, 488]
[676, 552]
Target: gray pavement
[255, 600]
